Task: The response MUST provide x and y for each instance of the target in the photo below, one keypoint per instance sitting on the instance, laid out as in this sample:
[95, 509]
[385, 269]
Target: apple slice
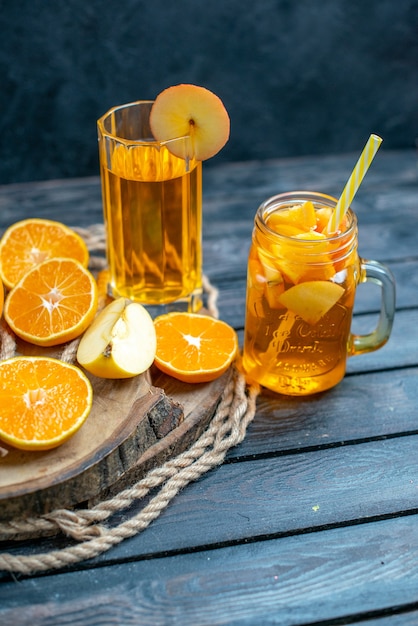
[120, 343]
[190, 110]
[312, 300]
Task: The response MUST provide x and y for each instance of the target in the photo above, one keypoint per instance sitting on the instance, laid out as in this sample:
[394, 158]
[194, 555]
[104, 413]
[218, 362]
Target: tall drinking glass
[152, 205]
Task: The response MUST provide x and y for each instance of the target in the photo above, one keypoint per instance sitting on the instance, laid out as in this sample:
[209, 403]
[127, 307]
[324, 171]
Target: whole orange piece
[194, 348]
[53, 303]
[32, 241]
[43, 402]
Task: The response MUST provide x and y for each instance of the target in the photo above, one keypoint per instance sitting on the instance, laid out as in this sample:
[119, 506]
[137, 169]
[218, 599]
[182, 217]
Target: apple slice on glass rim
[189, 110]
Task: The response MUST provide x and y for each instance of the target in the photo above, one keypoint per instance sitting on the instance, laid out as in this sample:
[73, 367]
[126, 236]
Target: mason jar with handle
[300, 296]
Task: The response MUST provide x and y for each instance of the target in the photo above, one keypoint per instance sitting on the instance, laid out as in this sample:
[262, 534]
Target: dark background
[298, 77]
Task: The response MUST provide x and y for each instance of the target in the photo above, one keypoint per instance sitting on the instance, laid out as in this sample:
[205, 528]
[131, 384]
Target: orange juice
[152, 203]
[301, 287]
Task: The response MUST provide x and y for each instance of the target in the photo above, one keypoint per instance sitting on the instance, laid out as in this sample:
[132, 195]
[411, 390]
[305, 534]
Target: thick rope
[227, 429]
[7, 341]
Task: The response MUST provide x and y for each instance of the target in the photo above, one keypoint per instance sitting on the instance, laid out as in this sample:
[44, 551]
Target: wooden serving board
[134, 425]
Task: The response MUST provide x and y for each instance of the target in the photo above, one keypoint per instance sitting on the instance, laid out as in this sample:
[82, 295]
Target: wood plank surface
[313, 518]
[281, 495]
[342, 573]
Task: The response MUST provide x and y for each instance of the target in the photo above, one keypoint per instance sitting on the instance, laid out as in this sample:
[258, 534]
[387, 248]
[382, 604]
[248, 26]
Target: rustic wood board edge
[88, 475]
[107, 476]
[177, 441]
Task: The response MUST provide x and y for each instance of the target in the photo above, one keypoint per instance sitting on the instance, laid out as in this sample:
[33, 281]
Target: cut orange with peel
[53, 303]
[194, 348]
[43, 402]
[31, 241]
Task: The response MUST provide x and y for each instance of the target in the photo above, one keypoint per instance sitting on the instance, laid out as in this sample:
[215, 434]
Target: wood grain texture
[362, 408]
[278, 496]
[340, 573]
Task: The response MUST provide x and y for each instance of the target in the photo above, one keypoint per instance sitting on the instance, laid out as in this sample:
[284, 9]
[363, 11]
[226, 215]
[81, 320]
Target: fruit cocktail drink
[300, 296]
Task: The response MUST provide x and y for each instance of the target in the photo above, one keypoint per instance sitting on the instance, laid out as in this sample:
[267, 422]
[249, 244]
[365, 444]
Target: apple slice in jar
[312, 300]
[274, 283]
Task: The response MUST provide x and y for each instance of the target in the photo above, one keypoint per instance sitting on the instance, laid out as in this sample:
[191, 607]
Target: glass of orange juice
[301, 286]
[152, 204]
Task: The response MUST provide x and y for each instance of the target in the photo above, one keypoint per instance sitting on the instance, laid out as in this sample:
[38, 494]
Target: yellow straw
[354, 182]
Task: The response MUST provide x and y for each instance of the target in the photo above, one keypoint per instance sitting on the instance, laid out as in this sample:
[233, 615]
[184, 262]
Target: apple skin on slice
[120, 343]
[312, 300]
[191, 110]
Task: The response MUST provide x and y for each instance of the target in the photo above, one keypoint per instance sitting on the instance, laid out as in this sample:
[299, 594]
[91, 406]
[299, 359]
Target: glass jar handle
[375, 272]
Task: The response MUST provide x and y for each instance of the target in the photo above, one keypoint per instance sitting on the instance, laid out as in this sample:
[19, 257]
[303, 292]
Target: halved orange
[53, 303]
[1, 298]
[194, 348]
[43, 402]
[31, 241]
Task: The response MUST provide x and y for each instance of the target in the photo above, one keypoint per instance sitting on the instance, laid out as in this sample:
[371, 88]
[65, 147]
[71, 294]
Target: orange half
[43, 402]
[194, 348]
[32, 241]
[53, 303]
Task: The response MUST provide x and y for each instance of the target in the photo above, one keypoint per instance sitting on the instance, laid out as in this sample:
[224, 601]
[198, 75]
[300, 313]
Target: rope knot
[75, 525]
